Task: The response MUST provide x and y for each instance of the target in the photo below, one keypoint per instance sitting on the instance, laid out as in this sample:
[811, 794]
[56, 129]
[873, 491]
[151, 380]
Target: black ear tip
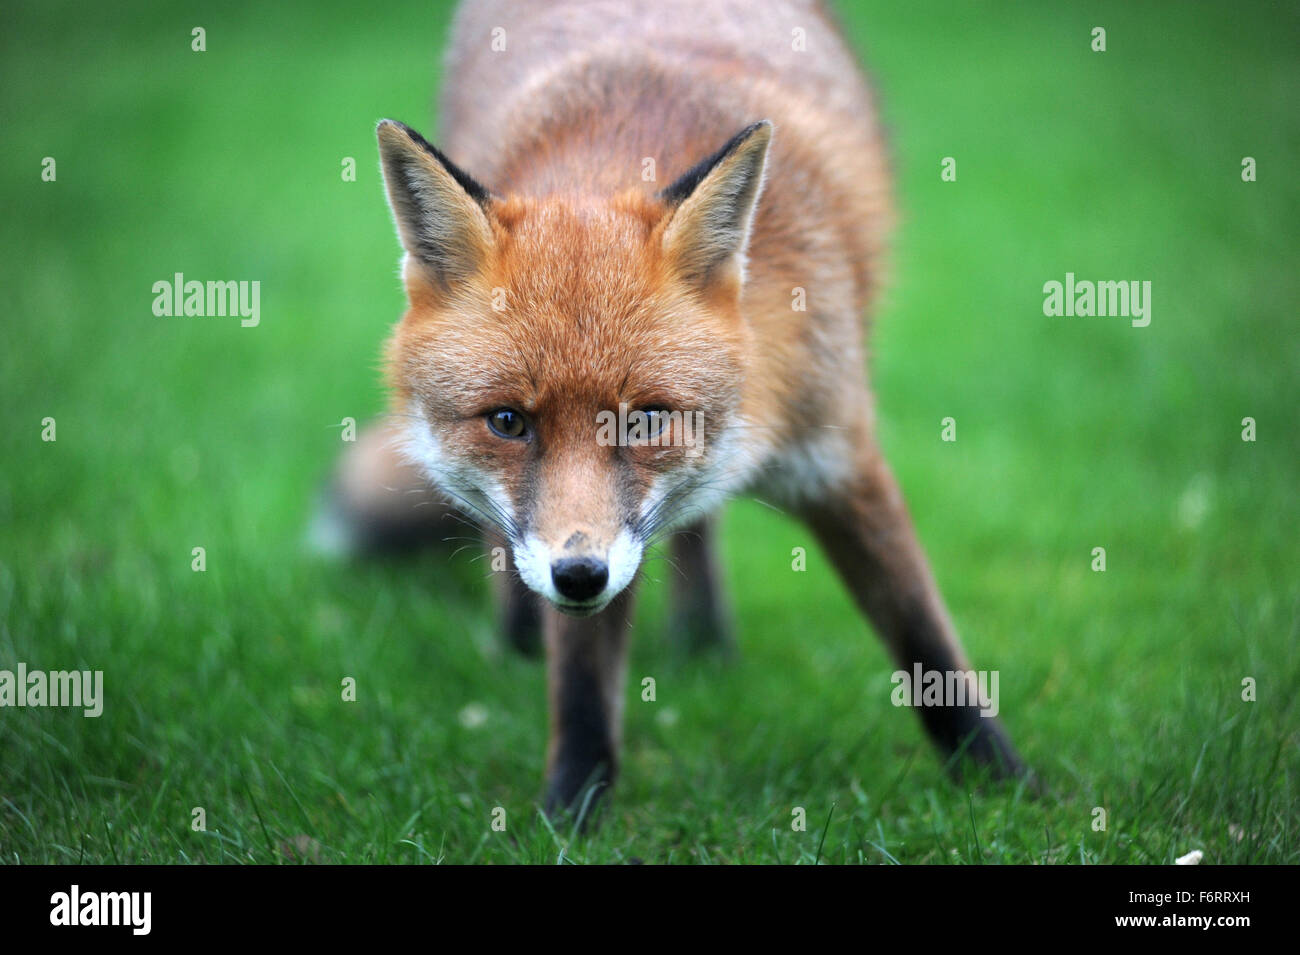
[763, 128]
[397, 127]
[687, 182]
[392, 126]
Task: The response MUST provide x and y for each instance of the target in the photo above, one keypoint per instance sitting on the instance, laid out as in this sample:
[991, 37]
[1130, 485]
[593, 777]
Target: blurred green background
[1122, 688]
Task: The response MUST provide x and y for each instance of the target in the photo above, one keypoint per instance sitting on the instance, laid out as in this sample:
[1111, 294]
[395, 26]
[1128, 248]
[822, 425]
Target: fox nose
[579, 578]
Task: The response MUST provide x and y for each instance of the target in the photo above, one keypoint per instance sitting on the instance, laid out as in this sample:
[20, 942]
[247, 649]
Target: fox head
[571, 367]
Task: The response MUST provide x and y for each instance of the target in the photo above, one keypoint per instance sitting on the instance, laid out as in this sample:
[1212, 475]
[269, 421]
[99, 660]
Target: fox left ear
[441, 212]
[712, 207]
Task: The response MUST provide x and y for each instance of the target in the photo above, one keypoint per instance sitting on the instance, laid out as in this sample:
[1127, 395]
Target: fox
[675, 214]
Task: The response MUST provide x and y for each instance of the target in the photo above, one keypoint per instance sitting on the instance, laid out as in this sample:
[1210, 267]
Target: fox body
[675, 212]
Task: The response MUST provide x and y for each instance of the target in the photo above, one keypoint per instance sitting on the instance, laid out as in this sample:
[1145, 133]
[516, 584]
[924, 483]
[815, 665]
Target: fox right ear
[712, 205]
[440, 211]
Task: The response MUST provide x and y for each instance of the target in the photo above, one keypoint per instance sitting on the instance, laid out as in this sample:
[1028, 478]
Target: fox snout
[583, 573]
[580, 579]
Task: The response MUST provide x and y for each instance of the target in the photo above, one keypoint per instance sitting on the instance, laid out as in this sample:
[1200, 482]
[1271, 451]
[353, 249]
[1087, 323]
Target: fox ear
[441, 212]
[712, 206]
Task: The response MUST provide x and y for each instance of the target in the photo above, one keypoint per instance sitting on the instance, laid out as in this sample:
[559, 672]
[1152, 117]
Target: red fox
[638, 290]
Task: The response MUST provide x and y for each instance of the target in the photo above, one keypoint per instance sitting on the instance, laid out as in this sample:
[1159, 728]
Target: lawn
[1123, 688]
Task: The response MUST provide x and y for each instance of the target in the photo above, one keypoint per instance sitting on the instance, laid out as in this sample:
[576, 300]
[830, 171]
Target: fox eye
[507, 423]
[645, 424]
[656, 419]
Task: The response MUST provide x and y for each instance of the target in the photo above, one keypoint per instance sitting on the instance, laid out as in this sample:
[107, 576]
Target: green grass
[1123, 688]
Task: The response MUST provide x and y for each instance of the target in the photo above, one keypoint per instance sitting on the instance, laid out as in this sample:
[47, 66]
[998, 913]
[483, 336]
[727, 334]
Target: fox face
[572, 368]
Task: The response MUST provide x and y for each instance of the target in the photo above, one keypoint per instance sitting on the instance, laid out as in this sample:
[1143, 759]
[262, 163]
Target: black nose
[579, 578]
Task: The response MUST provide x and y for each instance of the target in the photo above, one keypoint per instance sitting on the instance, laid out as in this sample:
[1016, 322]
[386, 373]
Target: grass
[1123, 689]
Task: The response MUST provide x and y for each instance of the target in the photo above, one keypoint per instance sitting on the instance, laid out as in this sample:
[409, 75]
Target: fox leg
[518, 612]
[586, 665]
[866, 532]
[701, 618]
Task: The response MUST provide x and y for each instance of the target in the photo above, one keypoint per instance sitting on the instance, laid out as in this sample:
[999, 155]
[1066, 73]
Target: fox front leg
[586, 665]
[865, 530]
[701, 617]
[519, 614]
